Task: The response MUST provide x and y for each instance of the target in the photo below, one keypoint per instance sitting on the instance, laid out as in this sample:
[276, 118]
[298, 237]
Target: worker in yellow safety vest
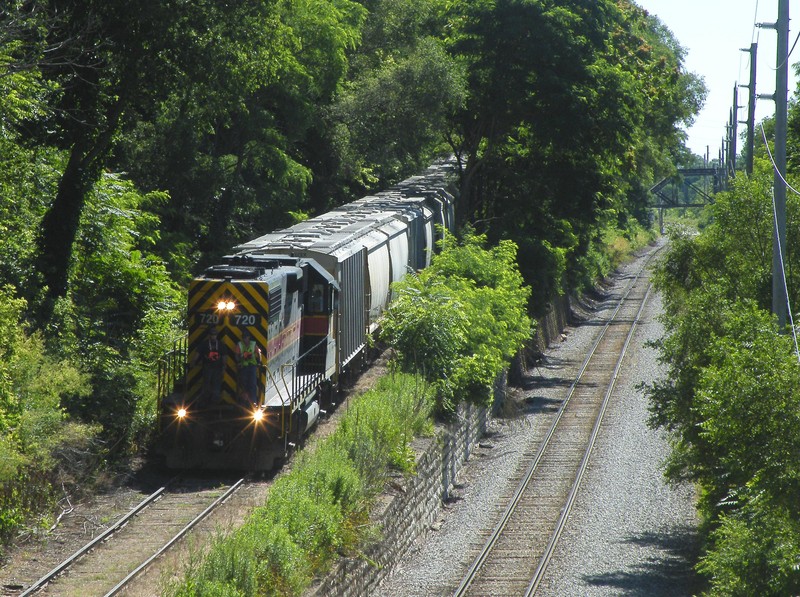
[248, 357]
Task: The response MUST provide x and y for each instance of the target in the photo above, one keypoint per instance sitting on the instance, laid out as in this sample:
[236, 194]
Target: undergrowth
[320, 509]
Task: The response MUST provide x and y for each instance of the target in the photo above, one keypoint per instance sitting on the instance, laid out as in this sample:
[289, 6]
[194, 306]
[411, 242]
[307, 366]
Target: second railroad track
[515, 555]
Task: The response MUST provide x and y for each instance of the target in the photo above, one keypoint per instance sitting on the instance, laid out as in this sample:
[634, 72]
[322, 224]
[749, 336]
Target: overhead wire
[778, 240]
[794, 45]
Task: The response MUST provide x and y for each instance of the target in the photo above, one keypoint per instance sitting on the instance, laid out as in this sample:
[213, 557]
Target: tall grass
[321, 508]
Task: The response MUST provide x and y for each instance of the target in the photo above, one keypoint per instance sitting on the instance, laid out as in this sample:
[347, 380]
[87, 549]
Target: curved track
[515, 556]
[105, 565]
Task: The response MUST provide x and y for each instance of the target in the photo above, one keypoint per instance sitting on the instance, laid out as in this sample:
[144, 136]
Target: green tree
[119, 64]
[566, 148]
[236, 143]
[26, 171]
[123, 312]
[461, 320]
[402, 90]
[396, 113]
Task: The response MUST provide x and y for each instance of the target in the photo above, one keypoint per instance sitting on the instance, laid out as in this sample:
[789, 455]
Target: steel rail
[573, 494]
[119, 524]
[193, 523]
[90, 545]
[532, 468]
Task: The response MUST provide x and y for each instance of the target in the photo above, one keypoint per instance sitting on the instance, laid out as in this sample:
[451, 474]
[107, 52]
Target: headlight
[224, 305]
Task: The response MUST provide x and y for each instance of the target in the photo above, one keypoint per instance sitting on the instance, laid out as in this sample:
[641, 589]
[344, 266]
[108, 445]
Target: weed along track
[514, 558]
[110, 561]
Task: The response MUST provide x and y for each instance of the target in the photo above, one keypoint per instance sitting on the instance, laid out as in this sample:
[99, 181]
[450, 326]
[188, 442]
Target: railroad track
[514, 558]
[108, 563]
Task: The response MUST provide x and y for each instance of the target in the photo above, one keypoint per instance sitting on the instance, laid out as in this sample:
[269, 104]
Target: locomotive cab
[220, 419]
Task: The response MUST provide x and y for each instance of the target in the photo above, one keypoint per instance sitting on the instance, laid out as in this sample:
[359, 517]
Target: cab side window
[317, 302]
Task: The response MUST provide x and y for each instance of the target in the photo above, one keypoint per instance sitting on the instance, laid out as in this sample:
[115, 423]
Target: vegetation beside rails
[686, 217]
[611, 248]
[731, 397]
[320, 509]
[460, 321]
[39, 447]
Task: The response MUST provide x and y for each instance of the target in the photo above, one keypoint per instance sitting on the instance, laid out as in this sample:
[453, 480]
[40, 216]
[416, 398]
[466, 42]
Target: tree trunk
[60, 223]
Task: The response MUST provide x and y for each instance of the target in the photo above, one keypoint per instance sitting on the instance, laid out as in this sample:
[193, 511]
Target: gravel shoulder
[629, 534]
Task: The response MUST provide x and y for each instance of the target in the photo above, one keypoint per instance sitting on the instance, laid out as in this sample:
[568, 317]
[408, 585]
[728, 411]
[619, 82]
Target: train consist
[274, 328]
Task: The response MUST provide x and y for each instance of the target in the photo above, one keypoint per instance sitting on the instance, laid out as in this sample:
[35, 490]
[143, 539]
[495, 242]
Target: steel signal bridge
[683, 189]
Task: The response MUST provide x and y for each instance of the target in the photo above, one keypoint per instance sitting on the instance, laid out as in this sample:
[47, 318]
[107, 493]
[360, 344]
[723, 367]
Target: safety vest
[251, 360]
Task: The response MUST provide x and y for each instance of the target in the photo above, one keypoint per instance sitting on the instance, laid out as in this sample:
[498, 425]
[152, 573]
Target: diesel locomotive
[307, 296]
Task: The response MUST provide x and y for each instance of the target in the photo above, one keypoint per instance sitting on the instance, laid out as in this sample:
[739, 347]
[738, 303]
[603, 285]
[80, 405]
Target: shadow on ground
[669, 573]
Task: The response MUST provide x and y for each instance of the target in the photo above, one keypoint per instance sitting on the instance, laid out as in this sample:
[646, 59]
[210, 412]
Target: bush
[39, 448]
[754, 551]
[460, 321]
[321, 507]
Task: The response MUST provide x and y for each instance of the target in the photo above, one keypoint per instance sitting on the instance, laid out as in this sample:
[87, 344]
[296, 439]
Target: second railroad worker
[248, 357]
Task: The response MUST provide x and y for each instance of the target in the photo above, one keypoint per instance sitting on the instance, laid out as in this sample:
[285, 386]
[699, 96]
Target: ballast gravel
[630, 533]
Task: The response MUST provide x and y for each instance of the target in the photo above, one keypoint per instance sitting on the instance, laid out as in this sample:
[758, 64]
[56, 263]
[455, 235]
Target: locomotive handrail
[299, 386]
[171, 366]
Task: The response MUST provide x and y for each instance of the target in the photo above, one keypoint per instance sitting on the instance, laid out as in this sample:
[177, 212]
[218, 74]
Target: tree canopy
[567, 135]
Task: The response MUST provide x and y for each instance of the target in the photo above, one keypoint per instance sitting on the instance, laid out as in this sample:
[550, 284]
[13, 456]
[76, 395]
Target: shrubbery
[321, 508]
[731, 399]
[460, 321]
[38, 445]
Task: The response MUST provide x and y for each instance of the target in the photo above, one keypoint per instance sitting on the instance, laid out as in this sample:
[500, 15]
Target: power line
[778, 240]
[783, 275]
[774, 165]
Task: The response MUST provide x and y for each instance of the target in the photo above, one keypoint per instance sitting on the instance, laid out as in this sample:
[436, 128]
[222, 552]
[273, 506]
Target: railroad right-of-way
[107, 564]
[577, 461]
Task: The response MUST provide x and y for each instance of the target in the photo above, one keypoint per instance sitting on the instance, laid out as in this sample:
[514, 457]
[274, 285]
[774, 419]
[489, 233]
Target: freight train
[275, 327]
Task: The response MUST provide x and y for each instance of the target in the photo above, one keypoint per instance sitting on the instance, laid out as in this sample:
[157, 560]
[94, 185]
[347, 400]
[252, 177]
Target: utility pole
[751, 110]
[724, 158]
[734, 127]
[779, 306]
